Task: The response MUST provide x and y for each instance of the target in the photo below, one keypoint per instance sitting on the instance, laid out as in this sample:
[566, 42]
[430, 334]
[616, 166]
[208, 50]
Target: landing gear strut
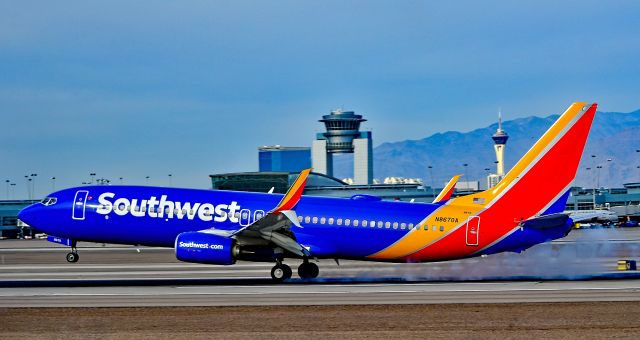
[281, 272]
[73, 256]
[308, 270]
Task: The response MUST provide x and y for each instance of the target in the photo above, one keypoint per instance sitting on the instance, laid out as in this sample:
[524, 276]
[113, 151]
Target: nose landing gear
[73, 256]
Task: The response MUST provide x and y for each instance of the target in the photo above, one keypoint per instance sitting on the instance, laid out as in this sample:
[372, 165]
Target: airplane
[221, 227]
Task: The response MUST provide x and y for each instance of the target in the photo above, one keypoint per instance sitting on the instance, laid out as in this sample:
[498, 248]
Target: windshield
[49, 201]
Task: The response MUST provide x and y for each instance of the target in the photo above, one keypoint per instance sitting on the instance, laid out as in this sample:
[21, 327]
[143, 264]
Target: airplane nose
[26, 215]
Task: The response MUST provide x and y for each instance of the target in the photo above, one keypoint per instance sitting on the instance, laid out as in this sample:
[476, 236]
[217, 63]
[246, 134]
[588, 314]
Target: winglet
[294, 193]
[446, 192]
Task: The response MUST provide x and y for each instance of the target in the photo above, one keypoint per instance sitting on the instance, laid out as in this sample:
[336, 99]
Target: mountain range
[614, 136]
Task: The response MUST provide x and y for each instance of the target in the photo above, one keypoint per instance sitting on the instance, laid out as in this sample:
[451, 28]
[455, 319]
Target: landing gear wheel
[281, 272]
[308, 270]
[73, 257]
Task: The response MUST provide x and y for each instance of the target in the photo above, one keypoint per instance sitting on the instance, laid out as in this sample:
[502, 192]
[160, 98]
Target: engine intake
[200, 247]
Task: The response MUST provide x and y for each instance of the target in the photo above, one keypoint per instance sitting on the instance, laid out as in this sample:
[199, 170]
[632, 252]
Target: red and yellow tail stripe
[294, 193]
[546, 170]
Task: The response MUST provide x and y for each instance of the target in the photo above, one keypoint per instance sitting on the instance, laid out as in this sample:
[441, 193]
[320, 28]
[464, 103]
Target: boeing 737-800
[221, 227]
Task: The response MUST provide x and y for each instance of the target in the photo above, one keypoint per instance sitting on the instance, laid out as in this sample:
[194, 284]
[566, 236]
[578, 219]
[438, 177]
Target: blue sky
[147, 88]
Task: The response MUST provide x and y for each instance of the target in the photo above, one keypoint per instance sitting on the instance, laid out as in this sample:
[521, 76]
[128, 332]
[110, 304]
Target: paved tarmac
[579, 268]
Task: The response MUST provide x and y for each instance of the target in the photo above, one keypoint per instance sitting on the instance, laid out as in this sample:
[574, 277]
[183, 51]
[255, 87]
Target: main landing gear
[281, 272]
[73, 256]
[307, 270]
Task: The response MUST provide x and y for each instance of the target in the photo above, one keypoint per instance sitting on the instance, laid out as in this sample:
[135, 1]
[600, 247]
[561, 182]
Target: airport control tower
[500, 139]
[343, 135]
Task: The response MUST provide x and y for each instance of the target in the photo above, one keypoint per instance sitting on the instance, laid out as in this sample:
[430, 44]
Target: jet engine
[201, 247]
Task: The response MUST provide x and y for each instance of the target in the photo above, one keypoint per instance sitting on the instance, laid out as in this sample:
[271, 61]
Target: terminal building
[319, 185]
[10, 225]
[281, 158]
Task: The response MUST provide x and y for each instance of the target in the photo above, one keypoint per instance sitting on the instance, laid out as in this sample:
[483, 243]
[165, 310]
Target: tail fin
[536, 185]
[544, 175]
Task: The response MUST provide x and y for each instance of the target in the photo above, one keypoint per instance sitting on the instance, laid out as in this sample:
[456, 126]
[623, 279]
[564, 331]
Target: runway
[579, 268]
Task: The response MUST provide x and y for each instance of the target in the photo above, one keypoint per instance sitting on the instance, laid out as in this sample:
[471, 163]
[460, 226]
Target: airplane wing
[447, 191]
[273, 227]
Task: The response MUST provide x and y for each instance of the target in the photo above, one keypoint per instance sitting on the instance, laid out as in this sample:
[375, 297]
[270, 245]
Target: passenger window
[433, 228]
[331, 220]
[314, 220]
[299, 218]
[403, 226]
[410, 225]
[387, 225]
[364, 223]
[372, 224]
[379, 224]
[355, 223]
[307, 219]
[323, 220]
[441, 228]
[339, 221]
[426, 227]
[395, 225]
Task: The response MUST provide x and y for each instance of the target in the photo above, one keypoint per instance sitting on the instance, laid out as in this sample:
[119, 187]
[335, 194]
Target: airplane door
[245, 217]
[79, 204]
[473, 230]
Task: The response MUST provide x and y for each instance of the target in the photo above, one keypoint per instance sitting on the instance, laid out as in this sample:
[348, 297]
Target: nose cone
[29, 214]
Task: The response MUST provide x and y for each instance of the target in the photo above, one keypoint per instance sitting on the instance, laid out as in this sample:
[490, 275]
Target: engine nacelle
[206, 248]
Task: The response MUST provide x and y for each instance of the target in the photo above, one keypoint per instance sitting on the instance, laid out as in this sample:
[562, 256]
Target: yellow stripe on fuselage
[461, 208]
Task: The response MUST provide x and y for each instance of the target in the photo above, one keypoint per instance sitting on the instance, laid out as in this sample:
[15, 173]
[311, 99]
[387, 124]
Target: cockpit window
[49, 201]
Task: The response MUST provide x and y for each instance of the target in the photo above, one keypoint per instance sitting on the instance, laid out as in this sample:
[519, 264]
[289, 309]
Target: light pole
[433, 190]
[26, 181]
[7, 181]
[92, 175]
[53, 184]
[593, 191]
[13, 189]
[170, 175]
[638, 167]
[121, 180]
[33, 184]
[465, 165]
[147, 179]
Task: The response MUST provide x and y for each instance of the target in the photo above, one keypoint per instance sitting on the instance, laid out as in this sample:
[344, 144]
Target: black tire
[288, 272]
[308, 270]
[280, 272]
[72, 257]
[314, 271]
